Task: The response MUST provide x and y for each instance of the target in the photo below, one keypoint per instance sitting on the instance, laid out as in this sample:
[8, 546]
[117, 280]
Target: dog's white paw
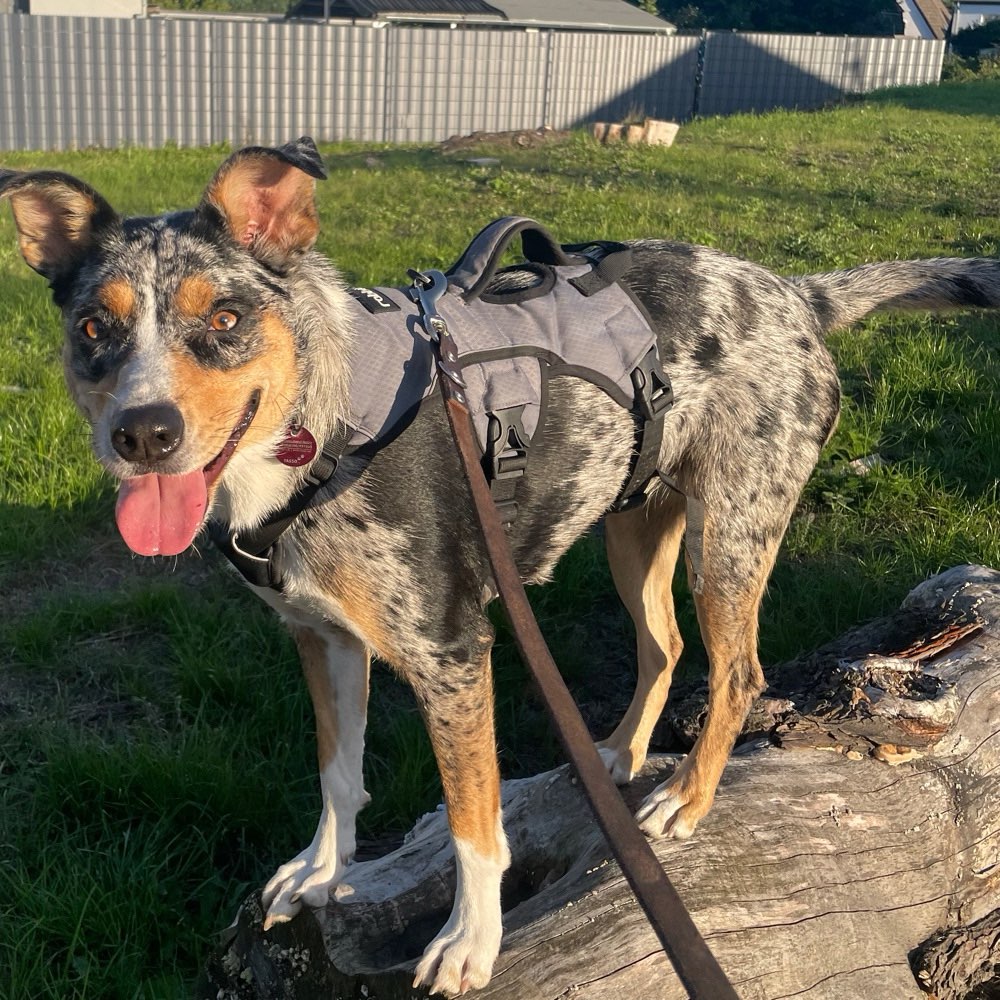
[662, 815]
[672, 809]
[619, 763]
[307, 878]
[460, 958]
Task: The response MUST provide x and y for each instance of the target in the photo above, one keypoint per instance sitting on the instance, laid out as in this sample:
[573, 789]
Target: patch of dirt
[519, 139]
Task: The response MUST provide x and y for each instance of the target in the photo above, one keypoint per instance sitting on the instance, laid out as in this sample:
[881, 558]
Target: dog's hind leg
[738, 560]
[336, 665]
[642, 551]
[457, 703]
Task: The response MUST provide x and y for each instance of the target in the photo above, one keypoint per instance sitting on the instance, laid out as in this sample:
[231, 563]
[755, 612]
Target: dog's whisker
[103, 392]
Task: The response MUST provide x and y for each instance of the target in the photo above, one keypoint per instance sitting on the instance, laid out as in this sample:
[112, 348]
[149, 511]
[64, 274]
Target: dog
[195, 340]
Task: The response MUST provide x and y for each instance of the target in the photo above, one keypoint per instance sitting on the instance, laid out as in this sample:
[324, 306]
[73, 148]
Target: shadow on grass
[969, 97]
[33, 535]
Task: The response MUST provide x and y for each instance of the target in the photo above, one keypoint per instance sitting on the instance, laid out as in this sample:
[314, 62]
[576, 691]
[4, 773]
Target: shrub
[972, 41]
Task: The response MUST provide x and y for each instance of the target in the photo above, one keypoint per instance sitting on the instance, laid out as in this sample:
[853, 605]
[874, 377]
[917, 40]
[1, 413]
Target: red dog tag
[296, 448]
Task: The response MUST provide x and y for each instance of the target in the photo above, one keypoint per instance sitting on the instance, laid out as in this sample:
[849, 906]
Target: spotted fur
[388, 560]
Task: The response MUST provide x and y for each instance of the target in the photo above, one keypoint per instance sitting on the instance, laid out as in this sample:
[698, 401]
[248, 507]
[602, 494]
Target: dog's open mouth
[160, 515]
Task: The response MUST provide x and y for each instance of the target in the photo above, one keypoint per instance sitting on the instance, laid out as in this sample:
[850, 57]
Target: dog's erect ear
[266, 199]
[57, 216]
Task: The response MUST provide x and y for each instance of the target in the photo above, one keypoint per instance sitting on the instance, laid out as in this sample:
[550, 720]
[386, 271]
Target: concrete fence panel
[757, 72]
[443, 82]
[104, 82]
[279, 80]
[604, 77]
[872, 63]
[751, 72]
[69, 82]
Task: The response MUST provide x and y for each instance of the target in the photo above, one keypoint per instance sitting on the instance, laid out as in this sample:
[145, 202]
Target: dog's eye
[94, 329]
[223, 320]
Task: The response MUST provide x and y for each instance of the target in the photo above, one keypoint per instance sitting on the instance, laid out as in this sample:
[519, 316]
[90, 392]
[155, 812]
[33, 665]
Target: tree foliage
[848, 17]
[972, 41]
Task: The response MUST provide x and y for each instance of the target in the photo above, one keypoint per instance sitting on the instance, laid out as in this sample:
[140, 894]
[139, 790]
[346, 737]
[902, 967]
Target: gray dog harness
[565, 312]
[562, 313]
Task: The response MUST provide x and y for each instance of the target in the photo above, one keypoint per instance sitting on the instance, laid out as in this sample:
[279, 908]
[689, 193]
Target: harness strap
[694, 532]
[253, 552]
[505, 459]
[654, 395]
[694, 540]
[609, 261]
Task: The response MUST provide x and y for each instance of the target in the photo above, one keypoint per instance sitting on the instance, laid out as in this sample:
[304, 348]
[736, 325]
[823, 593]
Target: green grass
[156, 755]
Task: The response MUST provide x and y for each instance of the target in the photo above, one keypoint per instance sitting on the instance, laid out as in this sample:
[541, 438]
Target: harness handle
[474, 270]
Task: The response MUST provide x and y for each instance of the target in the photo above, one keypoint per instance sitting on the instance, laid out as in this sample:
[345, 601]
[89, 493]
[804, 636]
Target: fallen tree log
[861, 821]
[963, 961]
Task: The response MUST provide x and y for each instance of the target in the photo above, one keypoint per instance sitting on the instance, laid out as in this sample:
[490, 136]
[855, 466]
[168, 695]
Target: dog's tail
[841, 297]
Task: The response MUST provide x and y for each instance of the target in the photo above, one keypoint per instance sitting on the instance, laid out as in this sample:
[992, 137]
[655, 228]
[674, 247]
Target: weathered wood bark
[862, 821]
[963, 963]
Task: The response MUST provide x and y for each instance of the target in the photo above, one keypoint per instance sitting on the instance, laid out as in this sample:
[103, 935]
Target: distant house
[924, 18]
[580, 15]
[973, 13]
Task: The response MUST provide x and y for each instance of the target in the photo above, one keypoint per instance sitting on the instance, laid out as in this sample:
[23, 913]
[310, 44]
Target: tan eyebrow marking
[195, 296]
[118, 297]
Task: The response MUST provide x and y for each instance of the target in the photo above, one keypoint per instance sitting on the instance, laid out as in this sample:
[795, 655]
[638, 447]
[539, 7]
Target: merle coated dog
[196, 340]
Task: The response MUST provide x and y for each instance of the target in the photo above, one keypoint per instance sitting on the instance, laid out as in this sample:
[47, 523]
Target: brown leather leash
[694, 963]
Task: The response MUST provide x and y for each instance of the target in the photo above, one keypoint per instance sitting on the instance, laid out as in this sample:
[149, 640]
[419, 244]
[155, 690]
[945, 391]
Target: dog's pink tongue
[160, 515]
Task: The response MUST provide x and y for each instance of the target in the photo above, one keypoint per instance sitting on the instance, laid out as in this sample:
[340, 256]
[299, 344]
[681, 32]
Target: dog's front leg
[457, 703]
[335, 664]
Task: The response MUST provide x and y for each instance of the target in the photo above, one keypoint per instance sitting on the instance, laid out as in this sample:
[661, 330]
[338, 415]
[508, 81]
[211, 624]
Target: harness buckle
[505, 459]
[654, 394]
[506, 445]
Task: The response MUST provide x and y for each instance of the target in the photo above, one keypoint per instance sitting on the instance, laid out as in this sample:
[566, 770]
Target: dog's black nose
[148, 433]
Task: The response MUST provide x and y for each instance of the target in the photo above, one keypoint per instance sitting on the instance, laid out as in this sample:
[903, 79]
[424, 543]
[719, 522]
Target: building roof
[605, 14]
[936, 14]
[594, 15]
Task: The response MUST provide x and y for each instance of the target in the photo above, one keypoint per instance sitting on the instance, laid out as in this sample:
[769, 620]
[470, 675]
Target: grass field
[156, 752]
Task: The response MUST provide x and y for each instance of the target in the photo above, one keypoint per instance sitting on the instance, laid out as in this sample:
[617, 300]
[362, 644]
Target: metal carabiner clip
[427, 288]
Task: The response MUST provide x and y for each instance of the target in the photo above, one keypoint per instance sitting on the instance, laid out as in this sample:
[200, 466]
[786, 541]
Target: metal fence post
[699, 73]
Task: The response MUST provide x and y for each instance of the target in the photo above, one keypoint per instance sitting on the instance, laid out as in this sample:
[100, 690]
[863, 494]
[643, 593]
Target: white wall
[971, 15]
[914, 25]
[89, 8]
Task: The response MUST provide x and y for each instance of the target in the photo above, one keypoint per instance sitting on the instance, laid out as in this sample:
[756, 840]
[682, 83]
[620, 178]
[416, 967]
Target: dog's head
[178, 347]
